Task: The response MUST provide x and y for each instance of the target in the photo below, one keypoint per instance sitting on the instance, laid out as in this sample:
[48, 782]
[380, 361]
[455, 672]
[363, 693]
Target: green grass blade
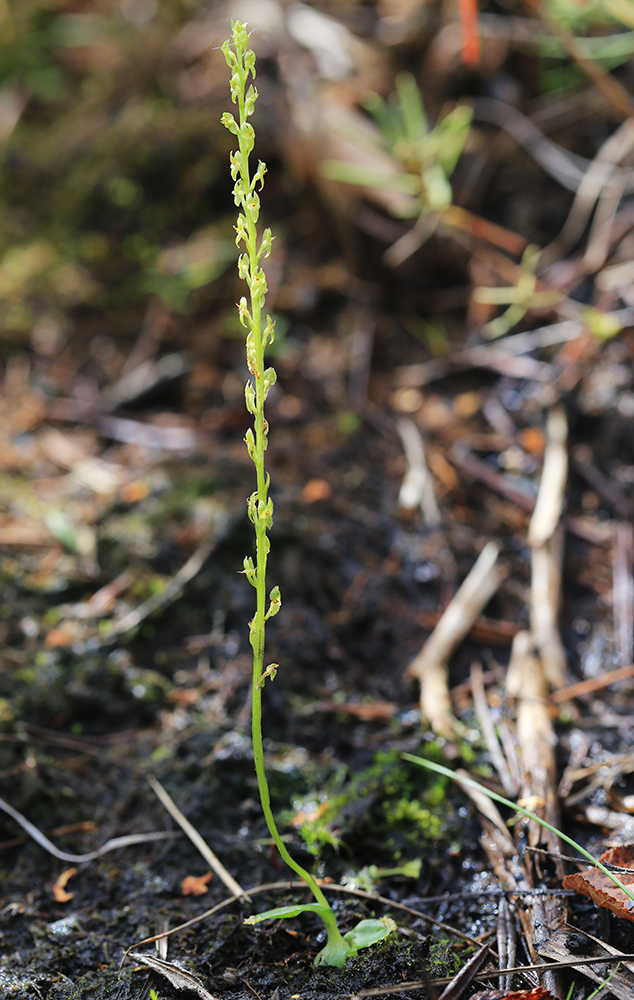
[470, 783]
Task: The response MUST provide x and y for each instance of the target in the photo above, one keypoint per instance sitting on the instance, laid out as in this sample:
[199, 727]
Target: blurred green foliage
[108, 164]
[427, 156]
[597, 26]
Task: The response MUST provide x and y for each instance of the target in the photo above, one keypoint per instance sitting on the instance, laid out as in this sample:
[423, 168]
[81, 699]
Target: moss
[389, 803]
[404, 811]
[442, 959]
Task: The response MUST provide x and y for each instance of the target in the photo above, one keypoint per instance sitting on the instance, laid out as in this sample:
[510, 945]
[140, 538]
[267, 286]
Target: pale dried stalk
[623, 590]
[417, 487]
[536, 739]
[430, 666]
[483, 713]
[546, 569]
[550, 499]
[545, 536]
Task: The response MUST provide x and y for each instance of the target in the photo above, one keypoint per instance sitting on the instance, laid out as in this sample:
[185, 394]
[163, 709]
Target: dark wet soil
[85, 717]
[172, 701]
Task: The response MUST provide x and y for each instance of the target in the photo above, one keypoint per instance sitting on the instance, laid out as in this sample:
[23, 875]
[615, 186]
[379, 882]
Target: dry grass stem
[536, 738]
[430, 667]
[623, 590]
[214, 863]
[483, 713]
[546, 569]
[487, 807]
[417, 487]
[550, 499]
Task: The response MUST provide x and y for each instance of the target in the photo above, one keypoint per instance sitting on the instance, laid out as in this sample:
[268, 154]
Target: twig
[430, 666]
[506, 940]
[608, 489]
[179, 978]
[623, 590]
[377, 991]
[417, 487]
[285, 886]
[592, 684]
[111, 845]
[234, 888]
[475, 467]
[414, 376]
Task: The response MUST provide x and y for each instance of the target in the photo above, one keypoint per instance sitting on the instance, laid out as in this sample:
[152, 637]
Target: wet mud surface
[124, 647]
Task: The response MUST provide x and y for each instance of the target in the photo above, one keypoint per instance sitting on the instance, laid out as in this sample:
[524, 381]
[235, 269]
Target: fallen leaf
[601, 889]
[59, 892]
[196, 885]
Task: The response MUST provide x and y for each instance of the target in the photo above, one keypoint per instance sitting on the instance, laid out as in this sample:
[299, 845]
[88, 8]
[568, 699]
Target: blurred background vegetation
[109, 168]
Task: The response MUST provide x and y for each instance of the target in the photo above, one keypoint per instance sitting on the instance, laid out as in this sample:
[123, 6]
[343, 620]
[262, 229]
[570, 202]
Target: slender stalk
[241, 61]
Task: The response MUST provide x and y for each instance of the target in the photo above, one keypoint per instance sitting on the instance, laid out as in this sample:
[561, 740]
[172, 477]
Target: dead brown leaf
[601, 889]
[196, 885]
[59, 891]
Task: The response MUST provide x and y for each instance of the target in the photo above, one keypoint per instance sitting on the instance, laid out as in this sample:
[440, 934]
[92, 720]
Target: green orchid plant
[259, 335]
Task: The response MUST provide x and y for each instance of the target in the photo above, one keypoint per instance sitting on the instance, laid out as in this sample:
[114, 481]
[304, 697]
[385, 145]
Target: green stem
[258, 756]
[242, 63]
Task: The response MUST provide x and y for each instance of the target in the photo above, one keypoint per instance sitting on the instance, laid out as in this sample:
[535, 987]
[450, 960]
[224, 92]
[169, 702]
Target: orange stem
[470, 35]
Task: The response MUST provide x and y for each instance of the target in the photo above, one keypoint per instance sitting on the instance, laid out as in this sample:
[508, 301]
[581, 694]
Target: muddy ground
[123, 477]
